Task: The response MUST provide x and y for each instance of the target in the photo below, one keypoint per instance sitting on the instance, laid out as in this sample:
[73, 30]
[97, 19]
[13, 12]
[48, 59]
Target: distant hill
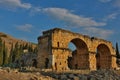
[9, 41]
[10, 46]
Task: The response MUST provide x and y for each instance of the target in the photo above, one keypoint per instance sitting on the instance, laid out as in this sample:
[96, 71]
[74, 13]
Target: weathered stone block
[91, 53]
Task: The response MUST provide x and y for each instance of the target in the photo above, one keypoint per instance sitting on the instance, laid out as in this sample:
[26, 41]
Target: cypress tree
[117, 51]
[18, 50]
[30, 49]
[35, 50]
[26, 46]
[5, 57]
[21, 49]
[11, 53]
[1, 52]
[4, 54]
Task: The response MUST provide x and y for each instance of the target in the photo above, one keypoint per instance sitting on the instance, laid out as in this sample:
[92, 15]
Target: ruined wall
[55, 47]
[44, 51]
[65, 37]
[60, 59]
[111, 54]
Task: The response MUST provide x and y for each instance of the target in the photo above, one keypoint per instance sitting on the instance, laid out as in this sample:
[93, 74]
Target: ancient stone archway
[53, 44]
[103, 57]
[79, 58]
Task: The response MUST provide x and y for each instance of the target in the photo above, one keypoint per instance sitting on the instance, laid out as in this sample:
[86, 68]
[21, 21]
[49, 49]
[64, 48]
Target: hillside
[9, 41]
[12, 48]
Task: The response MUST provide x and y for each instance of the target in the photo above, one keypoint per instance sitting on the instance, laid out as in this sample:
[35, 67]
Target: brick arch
[78, 42]
[53, 44]
[79, 57]
[103, 57]
[106, 43]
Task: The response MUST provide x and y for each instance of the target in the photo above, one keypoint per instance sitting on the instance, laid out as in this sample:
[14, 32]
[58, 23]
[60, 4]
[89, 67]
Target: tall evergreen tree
[117, 51]
[26, 46]
[0, 42]
[5, 56]
[18, 50]
[13, 58]
[1, 52]
[35, 50]
[30, 48]
[11, 53]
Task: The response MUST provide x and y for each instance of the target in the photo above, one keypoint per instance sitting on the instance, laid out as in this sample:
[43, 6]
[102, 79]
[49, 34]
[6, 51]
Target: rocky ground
[93, 75]
[8, 74]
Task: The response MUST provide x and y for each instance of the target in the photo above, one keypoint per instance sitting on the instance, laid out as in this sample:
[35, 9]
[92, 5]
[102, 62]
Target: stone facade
[91, 53]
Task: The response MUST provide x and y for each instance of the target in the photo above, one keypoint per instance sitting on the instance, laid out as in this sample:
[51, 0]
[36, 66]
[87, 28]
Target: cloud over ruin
[25, 27]
[72, 19]
[14, 4]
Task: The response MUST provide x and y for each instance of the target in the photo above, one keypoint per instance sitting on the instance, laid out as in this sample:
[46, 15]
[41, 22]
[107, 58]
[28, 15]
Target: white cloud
[35, 10]
[70, 18]
[25, 27]
[105, 1]
[102, 33]
[14, 4]
[111, 16]
[87, 23]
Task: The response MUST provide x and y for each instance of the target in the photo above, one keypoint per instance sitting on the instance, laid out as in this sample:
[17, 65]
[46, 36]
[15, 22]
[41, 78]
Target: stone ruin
[91, 53]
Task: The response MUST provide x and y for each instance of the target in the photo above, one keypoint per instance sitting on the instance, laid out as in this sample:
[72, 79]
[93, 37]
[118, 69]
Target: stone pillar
[92, 60]
[113, 62]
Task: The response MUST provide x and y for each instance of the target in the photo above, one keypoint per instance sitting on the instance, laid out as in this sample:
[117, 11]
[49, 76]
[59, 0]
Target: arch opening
[103, 57]
[79, 58]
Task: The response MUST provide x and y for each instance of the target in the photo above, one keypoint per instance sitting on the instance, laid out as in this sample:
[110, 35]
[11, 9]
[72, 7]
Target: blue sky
[26, 19]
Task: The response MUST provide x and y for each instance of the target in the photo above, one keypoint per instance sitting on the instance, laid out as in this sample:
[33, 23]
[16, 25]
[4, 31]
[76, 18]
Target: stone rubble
[93, 75]
[14, 74]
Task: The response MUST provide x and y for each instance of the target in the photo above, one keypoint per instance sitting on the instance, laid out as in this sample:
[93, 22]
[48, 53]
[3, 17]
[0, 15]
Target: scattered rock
[75, 78]
[63, 77]
[14, 74]
[93, 75]
[71, 76]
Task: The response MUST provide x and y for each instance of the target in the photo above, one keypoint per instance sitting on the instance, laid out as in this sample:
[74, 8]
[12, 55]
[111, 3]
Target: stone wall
[44, 52]
[54, 45]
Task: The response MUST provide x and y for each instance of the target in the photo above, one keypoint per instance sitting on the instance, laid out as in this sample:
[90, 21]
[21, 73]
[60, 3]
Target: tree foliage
[117, 51]
[3, 53]
[15, 52]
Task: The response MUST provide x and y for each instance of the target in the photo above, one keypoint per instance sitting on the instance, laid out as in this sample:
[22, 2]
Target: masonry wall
[44, 52]
[60, 59]
[62, 42]
[55, 47]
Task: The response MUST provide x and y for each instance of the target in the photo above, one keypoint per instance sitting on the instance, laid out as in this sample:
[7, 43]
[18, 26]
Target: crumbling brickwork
[91, 53]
